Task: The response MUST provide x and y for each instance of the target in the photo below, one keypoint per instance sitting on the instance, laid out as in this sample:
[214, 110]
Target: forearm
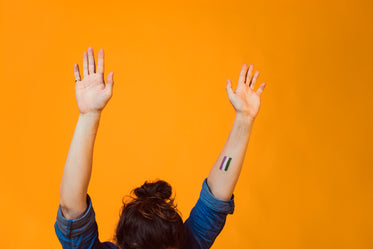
[223, 176]
[78, 166]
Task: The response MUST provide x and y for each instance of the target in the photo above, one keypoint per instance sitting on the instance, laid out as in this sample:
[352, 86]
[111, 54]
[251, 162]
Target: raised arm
[92, 94]
[224, 174]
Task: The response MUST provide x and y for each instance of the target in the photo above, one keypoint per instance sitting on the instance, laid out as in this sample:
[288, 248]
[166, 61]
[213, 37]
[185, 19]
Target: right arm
[208, 216]
[246, 102]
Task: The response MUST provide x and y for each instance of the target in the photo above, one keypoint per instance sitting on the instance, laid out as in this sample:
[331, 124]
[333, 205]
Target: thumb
[229, 89]
[110, 82]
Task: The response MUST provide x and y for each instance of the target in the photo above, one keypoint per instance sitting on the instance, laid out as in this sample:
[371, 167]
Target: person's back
[149, 219]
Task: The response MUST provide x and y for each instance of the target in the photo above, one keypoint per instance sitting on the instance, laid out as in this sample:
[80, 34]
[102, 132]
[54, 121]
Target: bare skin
[246, 103]
[93, 94]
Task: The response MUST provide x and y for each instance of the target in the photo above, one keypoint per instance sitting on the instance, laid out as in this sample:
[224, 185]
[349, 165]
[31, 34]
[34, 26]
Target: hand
[245, 100]
[91, 92]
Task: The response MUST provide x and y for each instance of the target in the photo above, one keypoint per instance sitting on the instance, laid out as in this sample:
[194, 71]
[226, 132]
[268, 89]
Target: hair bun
[159, 189]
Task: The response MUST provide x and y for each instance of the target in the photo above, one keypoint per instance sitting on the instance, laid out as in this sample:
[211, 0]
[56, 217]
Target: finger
[248, 76]
[252, 83]
[100, 61]
[85, 64]
[91, 61]
[241, 79]
[229, 89]
[76, 72]
[260, 89]
[110, 82]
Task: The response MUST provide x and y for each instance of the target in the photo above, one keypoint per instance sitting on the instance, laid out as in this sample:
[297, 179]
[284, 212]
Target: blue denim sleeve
[207, 219]
[80, 233]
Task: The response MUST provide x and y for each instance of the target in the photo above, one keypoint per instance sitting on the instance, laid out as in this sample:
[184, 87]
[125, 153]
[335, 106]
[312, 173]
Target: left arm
[78, 166]
[92, 94]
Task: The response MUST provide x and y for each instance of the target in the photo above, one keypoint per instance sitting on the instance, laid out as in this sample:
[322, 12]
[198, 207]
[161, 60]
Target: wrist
[90, 116]
[244, 118]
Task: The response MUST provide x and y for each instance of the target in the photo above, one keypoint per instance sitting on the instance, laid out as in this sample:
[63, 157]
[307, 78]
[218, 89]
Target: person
[150, 220]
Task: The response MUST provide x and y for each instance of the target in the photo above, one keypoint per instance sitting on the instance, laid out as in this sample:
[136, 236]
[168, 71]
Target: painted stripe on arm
[225, 163]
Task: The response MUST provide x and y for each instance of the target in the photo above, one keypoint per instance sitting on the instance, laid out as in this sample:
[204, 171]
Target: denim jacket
[205, 222]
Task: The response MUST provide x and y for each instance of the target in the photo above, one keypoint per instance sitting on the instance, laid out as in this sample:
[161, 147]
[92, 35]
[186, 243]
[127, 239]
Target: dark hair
[150, 220]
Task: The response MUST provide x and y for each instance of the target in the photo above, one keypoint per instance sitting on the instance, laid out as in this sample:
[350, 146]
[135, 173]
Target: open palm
[91, 92]
[244, 99]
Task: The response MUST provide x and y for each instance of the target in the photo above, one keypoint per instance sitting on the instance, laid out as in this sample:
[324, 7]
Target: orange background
[307, 176]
